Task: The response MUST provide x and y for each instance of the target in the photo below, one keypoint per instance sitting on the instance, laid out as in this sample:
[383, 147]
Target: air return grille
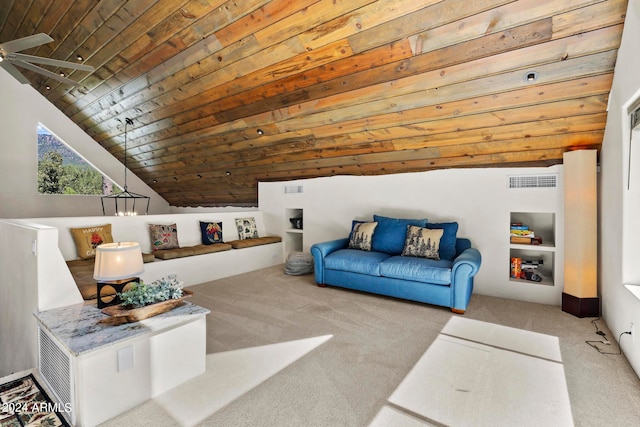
[55, 368]
[289, 189]
[533, 181]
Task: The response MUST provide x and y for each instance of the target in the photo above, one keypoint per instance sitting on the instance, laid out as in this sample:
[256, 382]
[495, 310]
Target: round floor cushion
[299, 263]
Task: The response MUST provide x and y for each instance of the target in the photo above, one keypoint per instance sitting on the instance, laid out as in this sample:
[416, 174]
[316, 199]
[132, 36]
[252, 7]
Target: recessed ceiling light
[62, 73]
[530, 76]
[228, 173]
[79, 58]
[259, 132]
[48, 87]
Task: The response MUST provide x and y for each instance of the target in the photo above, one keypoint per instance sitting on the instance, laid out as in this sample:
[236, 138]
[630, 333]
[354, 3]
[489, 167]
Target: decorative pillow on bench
[88, 238]
[247, 228]
[164, 236]
[211, 232]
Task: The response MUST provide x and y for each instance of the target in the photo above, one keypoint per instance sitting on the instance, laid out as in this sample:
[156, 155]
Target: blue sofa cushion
[417, 269]
[356, 261]
[448, 240]
[391, 232]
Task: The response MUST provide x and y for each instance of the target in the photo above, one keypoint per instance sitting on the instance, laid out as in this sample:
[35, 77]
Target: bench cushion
[191, 250]
[255, 241]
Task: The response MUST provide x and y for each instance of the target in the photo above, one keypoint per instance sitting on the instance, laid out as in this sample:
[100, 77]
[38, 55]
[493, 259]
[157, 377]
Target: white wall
[34, 277]
[478, 199]
[21, 109]
[618, 227]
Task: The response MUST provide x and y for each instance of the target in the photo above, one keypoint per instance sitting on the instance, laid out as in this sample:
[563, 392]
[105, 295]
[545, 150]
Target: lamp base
[581, 307]
[115, 285]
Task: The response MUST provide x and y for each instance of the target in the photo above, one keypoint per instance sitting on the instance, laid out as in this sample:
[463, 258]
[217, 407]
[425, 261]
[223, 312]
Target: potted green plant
[141, 294]
[142, 301]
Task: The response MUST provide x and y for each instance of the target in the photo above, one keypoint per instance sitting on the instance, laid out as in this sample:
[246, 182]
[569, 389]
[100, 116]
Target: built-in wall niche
[294, 230]
[536, 260]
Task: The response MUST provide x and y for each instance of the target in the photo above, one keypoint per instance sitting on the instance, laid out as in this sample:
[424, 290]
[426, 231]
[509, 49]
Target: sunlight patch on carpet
[229, 375]
[477, 373]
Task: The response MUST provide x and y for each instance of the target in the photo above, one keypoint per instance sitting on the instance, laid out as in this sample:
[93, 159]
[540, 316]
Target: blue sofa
[445, 279]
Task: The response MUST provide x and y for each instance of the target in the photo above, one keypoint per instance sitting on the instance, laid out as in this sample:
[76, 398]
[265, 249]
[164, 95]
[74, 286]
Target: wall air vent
[533, 181]
[55, 368]
[290, 189]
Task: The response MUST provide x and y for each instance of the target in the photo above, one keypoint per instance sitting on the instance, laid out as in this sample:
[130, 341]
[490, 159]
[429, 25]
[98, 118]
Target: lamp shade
[117, 261]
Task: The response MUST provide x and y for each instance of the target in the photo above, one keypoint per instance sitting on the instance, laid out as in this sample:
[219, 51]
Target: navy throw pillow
[391, 233]
[211, 232]
[448, 240]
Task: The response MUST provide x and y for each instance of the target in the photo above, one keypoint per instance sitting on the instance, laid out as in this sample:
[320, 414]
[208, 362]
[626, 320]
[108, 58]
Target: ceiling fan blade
[44, 72]
[48, 61]
[14, 72]
[25, 43]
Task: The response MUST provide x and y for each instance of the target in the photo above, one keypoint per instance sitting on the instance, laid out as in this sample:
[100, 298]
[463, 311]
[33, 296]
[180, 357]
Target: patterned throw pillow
[362, 236]
[164, 236]
[211, 232]
[88, 238]
[422, 242]
[247, 228]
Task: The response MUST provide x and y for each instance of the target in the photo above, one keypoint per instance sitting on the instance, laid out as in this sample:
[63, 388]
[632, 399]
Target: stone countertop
[77, 328]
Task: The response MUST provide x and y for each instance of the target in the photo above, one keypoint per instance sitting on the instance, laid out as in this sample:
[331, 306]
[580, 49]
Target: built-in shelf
[543, 225]
[293, 239]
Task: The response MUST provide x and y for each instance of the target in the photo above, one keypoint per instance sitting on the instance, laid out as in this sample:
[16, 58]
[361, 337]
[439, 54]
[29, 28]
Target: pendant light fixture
[125, 201]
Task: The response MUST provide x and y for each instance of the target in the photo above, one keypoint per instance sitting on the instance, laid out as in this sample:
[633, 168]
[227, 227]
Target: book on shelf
[525, 240]
[523, 233]
[521, 240]
[519, 226]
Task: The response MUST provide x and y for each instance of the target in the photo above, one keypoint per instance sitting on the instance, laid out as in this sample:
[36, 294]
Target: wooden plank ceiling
[224, 94]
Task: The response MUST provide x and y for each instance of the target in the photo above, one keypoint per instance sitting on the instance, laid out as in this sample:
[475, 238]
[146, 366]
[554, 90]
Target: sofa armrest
[320, 251]
[465, 267]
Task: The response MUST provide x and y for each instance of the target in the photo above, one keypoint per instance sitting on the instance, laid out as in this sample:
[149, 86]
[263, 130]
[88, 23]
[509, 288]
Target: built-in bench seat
[193, 263]
[82, 269]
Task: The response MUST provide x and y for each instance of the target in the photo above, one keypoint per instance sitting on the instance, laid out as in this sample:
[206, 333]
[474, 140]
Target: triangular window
[63, 171]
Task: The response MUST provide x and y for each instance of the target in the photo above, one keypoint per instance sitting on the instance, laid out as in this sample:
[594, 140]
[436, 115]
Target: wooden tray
[119, 315]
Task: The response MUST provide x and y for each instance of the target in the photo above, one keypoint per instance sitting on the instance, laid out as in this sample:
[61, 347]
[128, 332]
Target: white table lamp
[116, 265]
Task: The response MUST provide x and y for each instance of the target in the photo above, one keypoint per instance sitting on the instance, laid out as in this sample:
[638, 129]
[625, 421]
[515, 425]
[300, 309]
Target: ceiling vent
[533, 181]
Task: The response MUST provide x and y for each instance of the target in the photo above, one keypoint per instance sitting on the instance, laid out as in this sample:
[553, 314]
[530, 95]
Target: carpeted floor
[333, 357]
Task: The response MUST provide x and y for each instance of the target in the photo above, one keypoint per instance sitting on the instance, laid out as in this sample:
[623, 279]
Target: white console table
[105, 370]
